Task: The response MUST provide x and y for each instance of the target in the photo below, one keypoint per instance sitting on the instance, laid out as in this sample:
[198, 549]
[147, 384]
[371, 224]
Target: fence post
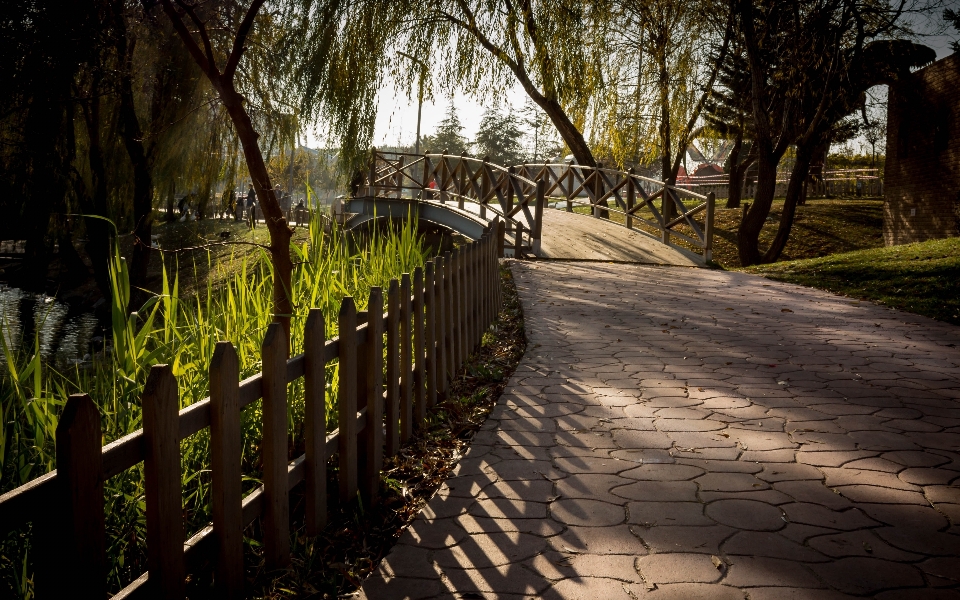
[164, 500]
[426, 306]
[518, 242]
[315, 421]
[459, 303]
[440, 321]
[501, 238]
[347, 400]
[406, 361]
[373, 432]
[708, 228]
[450, 314]
[631, 196]
[425, 182]
[225, 450]
[400, 177]
[538, 217]
[392, 410]
[419, 376]
[276, 500]
[484, 187]
[667, 213]
[80, 483]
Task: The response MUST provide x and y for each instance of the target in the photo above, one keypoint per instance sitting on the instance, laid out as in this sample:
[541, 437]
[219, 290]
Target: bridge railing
[672, 211]
[466, 182]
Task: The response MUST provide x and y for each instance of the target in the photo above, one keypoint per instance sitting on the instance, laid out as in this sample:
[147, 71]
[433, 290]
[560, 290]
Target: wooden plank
[425, 340]
[315, 421]
[440, 318]
[225, 450]
[518, 242]
[276, 513]
[456, 303]
[373, 433]
[407, 362]
[347, 400]
[631, 198]
[393, 384]
[449, 316]
[708, 227]
[162, 484]
[83, 539]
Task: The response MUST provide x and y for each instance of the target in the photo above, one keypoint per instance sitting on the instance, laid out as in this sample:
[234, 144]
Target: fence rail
[442, 313]
[518, 194]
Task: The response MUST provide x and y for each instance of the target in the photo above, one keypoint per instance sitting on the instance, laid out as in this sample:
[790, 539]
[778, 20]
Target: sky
[397, 114]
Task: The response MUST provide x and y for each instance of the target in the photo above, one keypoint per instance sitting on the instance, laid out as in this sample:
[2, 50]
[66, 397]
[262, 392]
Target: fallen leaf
[785, 310]
[717, 562]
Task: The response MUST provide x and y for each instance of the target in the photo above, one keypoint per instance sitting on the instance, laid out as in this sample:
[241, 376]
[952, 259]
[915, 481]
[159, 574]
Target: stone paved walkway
[687, 434]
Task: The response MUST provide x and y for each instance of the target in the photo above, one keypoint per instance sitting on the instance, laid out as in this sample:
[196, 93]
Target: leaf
[717, 562]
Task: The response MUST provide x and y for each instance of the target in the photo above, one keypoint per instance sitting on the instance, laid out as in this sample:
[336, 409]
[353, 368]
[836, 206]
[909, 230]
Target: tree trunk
[280, 232]
[748, 235]
[795, 188]
[99, 233]
[142, 176]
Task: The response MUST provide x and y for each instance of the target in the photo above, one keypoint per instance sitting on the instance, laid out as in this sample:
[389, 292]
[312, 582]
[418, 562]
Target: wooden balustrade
[428, 333]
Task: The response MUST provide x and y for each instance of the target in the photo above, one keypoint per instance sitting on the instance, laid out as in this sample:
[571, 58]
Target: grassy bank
[922, 278]
[233, 302]
[821, 227]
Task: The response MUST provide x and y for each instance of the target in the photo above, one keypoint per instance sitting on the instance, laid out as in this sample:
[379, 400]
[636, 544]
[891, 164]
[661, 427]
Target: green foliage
[449, 135]
[183, 332]
[499, 137]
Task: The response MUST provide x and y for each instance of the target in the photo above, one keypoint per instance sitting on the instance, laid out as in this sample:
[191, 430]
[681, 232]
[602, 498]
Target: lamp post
[423, 73]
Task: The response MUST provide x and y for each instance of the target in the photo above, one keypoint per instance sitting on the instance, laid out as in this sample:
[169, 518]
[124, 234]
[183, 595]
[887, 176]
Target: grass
[922, 278]
[821, 227]
[233, 302]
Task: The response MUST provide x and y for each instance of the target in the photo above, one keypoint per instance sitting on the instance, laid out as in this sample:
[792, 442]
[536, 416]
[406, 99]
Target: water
[64, 335]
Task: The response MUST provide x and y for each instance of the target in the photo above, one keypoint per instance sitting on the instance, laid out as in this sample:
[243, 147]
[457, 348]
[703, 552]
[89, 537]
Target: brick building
[922, 187]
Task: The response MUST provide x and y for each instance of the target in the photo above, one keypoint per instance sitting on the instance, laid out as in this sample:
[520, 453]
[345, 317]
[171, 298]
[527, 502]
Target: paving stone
[616, 539]
[649, 514]
[669, 538]
[746, 514]
[694, 591]
[491, 549]
[664, 450]
[677, 568]
[750, 571]
[863, 576]
[587, 512]
[770, 545]
[821, 516]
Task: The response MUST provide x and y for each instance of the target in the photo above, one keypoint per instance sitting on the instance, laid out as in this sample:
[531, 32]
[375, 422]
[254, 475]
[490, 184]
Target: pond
[63, 333]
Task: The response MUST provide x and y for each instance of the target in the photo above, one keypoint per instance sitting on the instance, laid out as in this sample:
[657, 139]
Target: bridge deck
[571, 236]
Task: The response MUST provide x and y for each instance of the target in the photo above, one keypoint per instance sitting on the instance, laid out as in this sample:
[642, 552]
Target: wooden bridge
[636, 219]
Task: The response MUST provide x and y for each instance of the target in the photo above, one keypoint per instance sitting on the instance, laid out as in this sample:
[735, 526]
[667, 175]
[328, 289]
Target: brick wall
[922, 187]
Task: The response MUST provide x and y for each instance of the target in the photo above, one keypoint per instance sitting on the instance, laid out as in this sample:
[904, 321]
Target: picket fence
[430, 326]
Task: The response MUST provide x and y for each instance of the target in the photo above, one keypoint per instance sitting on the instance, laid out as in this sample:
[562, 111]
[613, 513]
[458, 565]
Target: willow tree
[553, 49]
[667, 61]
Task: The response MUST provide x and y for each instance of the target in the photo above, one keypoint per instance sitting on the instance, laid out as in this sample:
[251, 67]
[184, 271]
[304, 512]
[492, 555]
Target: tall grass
[182, 332]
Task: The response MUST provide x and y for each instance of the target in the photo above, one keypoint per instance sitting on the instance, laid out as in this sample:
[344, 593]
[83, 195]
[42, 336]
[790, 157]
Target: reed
[183, 332]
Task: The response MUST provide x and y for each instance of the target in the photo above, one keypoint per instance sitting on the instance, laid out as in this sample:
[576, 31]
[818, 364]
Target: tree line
[108, 108]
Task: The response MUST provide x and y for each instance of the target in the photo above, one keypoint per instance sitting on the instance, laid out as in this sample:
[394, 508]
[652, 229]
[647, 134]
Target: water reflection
[63, 335]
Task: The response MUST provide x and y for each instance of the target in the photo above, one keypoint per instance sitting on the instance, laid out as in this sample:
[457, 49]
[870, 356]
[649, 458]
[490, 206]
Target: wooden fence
[429, 326]
[518, 194]
[471, 184]
[640, 200]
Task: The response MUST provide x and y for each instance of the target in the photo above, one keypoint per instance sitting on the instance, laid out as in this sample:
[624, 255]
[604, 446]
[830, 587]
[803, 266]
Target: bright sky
[397, 115]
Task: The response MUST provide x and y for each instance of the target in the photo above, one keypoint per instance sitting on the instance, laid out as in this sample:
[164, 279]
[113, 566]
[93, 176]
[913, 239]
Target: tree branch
[240, 40]
[202, 31]
[187, 38]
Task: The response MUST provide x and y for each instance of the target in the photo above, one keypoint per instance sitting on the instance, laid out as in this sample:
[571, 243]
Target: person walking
[252, 207]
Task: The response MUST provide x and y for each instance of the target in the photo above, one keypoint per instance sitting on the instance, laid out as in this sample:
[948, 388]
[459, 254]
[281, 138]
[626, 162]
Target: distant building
[922, 179]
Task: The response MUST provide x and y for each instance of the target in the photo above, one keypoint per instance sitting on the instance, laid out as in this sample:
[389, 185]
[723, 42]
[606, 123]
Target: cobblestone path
[681, 434]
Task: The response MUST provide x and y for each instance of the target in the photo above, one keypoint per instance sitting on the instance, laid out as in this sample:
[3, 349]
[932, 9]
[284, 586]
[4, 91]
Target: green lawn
[821, 227]
[922, 278]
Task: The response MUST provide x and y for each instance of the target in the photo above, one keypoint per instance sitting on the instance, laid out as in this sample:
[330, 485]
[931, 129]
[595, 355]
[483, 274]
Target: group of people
[245, 208]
